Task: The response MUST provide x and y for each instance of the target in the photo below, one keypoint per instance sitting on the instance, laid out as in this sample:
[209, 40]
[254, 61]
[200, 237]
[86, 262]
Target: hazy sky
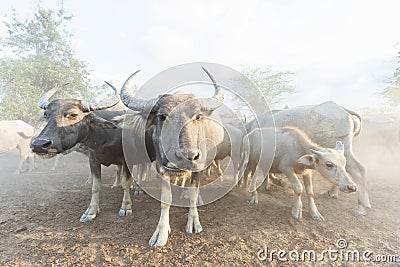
[339, 50]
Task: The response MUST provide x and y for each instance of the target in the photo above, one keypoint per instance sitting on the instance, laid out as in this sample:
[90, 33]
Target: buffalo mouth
[48, 154]
[172, 169]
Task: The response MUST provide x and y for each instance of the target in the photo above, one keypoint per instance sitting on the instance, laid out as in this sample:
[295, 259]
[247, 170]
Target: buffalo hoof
[183, 195]
[297, 213]
[88, 216]
[200, 201]
[114, 186]
[137, 192]
[333, 192]
[360, 211]
[160, 236]
[123, 212]
[196, 226]
[253, 200]
[318, 217]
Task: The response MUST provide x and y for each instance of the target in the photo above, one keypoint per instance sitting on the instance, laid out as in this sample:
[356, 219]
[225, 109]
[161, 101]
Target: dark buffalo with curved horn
[72, 121]
[182, 123]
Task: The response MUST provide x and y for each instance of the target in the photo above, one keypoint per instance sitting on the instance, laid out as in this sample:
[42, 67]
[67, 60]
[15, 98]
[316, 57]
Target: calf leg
[126, 207]
[307, 178]
[160, 235]
[297, 212]
[93, 210]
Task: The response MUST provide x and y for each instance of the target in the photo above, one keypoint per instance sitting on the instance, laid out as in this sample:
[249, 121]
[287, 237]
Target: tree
[392, 92]
[273, 85]
[37, 56]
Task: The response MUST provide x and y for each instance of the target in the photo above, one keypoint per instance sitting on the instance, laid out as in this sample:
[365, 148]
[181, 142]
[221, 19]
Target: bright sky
[339, 50]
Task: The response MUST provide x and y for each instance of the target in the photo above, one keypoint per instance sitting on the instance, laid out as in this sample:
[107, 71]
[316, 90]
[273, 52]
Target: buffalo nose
[40, 143]
[193, 155]
[352, 188]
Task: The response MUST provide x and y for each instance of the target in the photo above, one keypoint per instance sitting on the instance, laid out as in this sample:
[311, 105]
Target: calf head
[180, 121]
[331, 164]
[68, 123]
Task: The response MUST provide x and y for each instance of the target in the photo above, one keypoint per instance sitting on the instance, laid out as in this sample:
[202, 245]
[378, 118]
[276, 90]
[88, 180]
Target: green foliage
[273, 84]
[392, 92]
[37, 56]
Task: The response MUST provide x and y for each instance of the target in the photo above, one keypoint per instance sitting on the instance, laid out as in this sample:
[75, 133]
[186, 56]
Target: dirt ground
[40, 211]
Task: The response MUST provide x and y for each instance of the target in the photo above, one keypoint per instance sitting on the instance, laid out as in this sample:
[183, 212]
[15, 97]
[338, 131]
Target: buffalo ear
[101, 123]
[207, 112]
[339, 146]
[307, 160]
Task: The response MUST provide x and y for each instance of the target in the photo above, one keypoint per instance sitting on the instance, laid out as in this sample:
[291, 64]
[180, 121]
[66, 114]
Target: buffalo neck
[99, 138]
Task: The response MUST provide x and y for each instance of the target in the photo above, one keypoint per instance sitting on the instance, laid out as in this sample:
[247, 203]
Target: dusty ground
[40, 211]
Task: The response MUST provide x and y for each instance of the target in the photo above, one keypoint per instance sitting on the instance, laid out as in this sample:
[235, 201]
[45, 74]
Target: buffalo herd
[182, 136]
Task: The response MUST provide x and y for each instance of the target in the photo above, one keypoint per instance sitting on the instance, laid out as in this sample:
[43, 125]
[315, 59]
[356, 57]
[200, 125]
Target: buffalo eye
[199, 116]
[72, 115]
[329, 165]
[162, 117]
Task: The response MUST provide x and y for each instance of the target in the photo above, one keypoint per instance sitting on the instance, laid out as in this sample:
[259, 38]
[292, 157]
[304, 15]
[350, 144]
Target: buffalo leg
[126, 207]
[297, 211]
[117, 177]
[193, 217]
[94, 208]
[307, 178]
[358, 173]
[253, 190]
[160, 235]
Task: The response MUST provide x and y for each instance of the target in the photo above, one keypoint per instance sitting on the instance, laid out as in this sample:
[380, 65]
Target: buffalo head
[184, 129]
[68, 122]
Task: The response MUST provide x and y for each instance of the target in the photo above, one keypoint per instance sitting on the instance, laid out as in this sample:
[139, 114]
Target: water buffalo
[182, 124]
[288, 150]
[72, 121]
[17, 134]
[325, 124]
